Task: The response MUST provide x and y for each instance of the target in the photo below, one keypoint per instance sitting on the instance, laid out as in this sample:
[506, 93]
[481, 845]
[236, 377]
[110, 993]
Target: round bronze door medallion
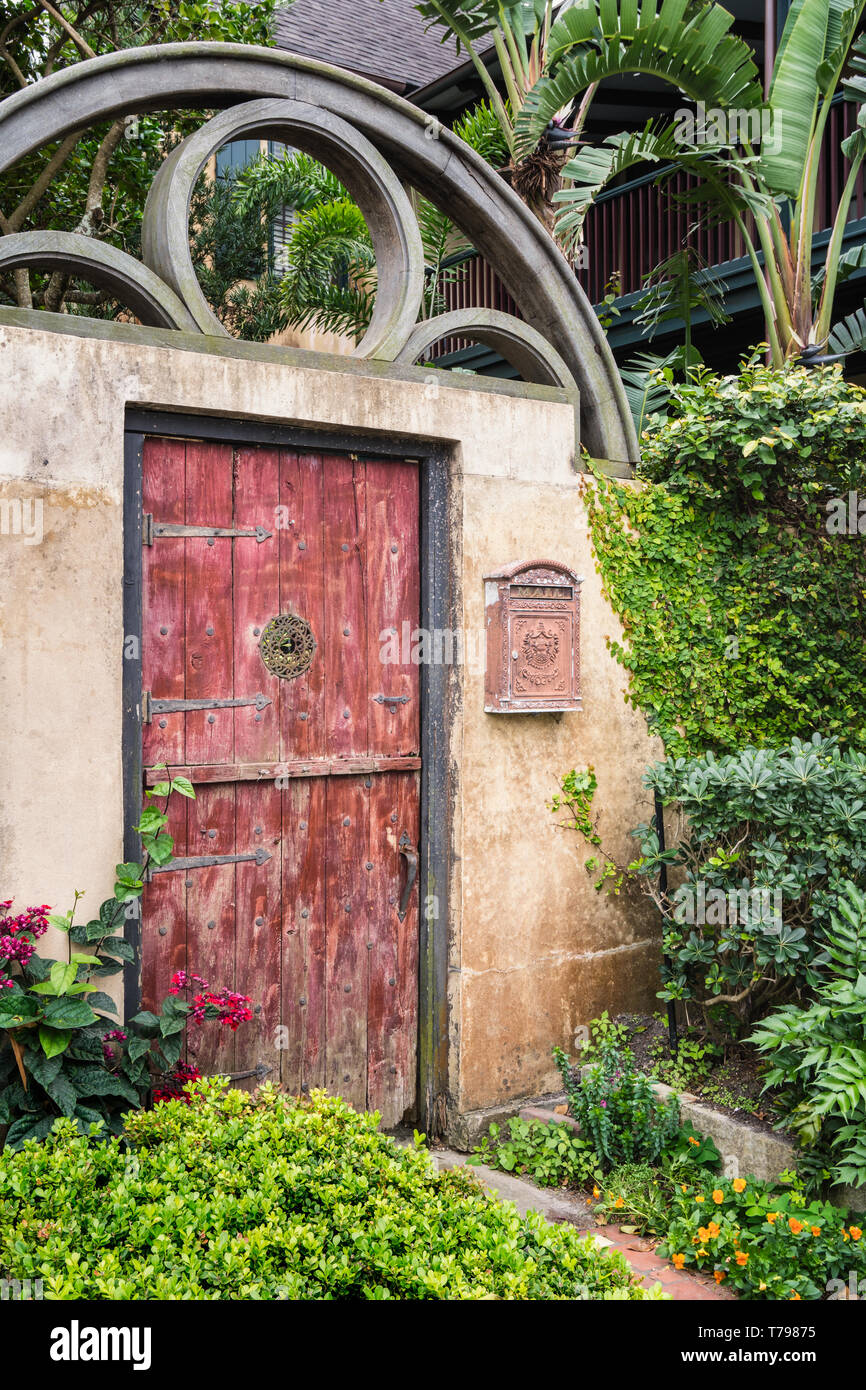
[288, 646]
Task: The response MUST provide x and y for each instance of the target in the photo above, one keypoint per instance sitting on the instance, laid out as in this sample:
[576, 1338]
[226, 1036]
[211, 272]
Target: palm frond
[794, 95]
[477, 19]
[849, 334]
[330, 277]
[593, 168]
[849, 262]
[697, 56]
[295, 180]
[648, 381]
[678, 287]
[480, 128]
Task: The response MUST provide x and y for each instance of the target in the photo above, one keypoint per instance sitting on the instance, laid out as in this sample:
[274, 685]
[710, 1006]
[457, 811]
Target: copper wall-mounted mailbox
[532, 613]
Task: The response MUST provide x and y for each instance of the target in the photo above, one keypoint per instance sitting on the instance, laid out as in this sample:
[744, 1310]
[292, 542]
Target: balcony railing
[630, 229]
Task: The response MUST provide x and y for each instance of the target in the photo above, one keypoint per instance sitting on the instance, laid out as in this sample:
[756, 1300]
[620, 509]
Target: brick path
[652, 1269]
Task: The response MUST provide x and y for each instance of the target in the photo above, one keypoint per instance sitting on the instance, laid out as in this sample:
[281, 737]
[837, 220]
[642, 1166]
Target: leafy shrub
[551, 1154]
[59, 1052]
[744, 619]
[617, 1109]
[603, 1032]
[240, 1196]
[768, 839]
[819, 1052]
[643, 1194]
[764, 1241]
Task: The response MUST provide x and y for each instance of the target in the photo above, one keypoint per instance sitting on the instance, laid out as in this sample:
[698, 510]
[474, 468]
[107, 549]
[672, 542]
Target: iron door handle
[410, 854]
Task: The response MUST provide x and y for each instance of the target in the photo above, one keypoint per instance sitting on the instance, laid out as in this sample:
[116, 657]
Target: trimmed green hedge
[264, 1197]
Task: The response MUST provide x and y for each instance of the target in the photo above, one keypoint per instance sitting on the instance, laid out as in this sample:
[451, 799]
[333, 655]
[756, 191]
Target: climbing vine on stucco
[738, 569]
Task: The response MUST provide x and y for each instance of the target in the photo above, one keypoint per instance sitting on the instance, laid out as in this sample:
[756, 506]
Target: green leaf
[152, 821]
[146, 1023]
[100, 1000]
[97, 1081]
[138, 1047]
[62, 975]
[170, 1049]
[794, 96]
[53, 1040]
[16, 1009]
[69, 1013]
[183, 787]
[63, 1093]
[160, 848]
[26, 1127]
[118, 946]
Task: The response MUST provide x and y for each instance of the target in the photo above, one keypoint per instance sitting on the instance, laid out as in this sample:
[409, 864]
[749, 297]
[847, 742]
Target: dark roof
[384, 39]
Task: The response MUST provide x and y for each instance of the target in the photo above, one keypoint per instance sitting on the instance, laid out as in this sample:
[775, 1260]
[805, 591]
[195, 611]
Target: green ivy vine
[741, 594]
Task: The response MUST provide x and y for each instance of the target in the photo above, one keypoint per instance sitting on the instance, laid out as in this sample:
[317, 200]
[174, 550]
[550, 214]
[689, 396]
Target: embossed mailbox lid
[532, 616]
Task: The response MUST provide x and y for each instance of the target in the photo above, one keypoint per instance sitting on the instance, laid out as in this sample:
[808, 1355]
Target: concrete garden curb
[746, 1151]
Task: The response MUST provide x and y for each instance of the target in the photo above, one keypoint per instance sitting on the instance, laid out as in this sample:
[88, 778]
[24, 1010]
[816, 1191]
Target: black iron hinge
[206, 861]
[150, 706]
[153, 530]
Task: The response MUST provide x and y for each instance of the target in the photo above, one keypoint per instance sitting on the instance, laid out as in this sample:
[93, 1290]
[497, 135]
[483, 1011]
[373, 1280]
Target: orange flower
[795, 1225]
[718, 1196]
[704, 1233]
[702, 1251]
[714, 1228]
[699, 1198]
[683, 1187]
[855, 1232]
[719, 1275]
[693, 1140]
[742, 1257]
[771, 1216]
[595, 1192]
[619, 1202]
[816, 1230]
[795, 1298]
[739, 1184]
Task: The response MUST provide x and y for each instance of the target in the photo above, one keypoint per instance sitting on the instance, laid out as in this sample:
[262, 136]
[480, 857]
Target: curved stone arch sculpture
[130, 282]
[356, 163]
[513, 339]
[419, 150]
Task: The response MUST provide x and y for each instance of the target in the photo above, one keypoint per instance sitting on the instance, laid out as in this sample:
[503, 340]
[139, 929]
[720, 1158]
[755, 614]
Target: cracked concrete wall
[534, 951]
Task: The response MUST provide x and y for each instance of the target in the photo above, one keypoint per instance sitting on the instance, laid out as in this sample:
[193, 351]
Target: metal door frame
[439, 686]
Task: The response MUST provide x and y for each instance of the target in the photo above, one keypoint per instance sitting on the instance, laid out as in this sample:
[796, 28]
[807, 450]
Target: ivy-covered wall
[738, 569]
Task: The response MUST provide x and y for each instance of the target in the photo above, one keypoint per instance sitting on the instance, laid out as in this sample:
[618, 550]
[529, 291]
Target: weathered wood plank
[270, 772]
[384, 1088]
[346, 853]
[405, 1040]
[163, 907]
[163, 635]
[210, 905]
[258, 917]
[209, 644]
[346, 711]
[256, 597]
[304, 1015]
[392, 580]
[302, 591]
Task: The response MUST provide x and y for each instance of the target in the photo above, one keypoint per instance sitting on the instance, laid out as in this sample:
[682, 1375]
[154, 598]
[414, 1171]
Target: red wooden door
[318, 771]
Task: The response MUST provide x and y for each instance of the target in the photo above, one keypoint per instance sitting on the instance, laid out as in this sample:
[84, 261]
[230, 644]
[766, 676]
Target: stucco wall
[534, 952]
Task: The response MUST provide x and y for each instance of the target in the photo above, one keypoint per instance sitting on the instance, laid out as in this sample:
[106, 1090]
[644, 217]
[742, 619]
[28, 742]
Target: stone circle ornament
[287, 646]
